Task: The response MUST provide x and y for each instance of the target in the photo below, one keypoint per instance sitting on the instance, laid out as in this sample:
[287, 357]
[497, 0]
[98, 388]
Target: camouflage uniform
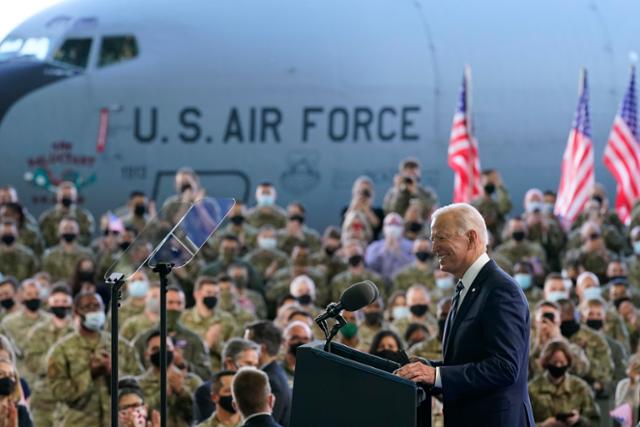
[61, 264]
[333, 265]
[252, 302]
[552, 241]
[229, 305]
[595, 262]
[401, 325]
[286, 242]
[430, 349]
[613, 231]
[579, 366]
[634, 270]
[50, 220]
[213, 421]
[598, 353]
[548, 399]
[198, 324]
[135, 325]
[126, 311]
[173, 208]
[345, 279]
[220, 266]
[136, 222]
[31, 238]
[179, 406]
[534, 295]
[614, 240]
[87, 400]
[39, 341]
[263, 215]
[279, 284]
[615, 328]
[397, 200]
[494, 210]
[411, 274]
[18, 261]
[367, 332]
[516, 251]
[246, 233]
[261, 259]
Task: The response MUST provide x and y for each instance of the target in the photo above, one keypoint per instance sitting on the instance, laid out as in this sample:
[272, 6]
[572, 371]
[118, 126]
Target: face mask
[304, 299]
[152, 305]
[523, 280]
[7, 303]
[225, 403]
[210, 302]
[636, 247]
[85, 276]
[185, 187]
[237, 219]
[557, 371]
[419, 310]
[444, 282]
[8, 239]
[592, 293]
[415, 227]
[139, 210]
[124, 246]
[155, 358]
[355, 260]
[172, 319]
[594, 236]
[68, 237]
[32, 304]
[400, 312]
[43, 293]
[598, 198]
[94, 321]
[441, 323]
[555, 296]
[569, 327]
[596, 324]
[423, 255]
[66, 202]
[393, 231]
[7, 386]
[518, 236]
[268, 243]
[265, 199]
[547, 207]
[373, 318]
[60, 312]
[330, 250]
[297, 218]
[293, 347]
[534, 207]
[490, 189]
[349, 330]
[138, 288]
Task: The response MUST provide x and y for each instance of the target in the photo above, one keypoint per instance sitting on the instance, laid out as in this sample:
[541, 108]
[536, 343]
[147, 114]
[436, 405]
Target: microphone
[353, 298]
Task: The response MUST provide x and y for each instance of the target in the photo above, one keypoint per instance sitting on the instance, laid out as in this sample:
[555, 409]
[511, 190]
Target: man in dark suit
[252, 397]
[269, 337]
[483, 375]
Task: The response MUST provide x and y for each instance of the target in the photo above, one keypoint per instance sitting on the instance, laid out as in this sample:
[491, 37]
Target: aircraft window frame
[119, 43]
[37, 47]
[84, 63]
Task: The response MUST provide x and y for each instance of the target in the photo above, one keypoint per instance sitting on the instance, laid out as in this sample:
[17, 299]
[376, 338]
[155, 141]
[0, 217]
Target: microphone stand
[115, 280]
[340, 322]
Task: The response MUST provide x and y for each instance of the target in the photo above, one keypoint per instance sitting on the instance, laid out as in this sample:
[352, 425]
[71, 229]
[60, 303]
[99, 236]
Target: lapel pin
[473, 289]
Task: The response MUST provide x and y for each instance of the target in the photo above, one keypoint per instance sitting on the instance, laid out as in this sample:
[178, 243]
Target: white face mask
[265, 199]
[400, 312]
[636, 247]
[555, 296]
[394, 231]
[267, 242]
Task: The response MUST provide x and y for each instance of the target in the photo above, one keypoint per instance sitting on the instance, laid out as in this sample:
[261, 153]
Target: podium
[344, 387]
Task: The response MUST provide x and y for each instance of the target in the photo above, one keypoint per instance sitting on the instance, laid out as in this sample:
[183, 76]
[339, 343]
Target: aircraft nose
[22, 76]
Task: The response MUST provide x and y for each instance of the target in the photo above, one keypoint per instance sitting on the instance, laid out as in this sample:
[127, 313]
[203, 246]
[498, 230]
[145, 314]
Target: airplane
[117, 95]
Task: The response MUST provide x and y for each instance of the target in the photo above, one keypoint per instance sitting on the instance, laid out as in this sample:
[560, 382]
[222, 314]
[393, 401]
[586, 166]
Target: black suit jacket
[261, 421]
[280, 389]
[484, 371]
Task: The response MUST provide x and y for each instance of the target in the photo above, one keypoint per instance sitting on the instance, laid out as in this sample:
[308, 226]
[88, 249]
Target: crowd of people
[240, 309]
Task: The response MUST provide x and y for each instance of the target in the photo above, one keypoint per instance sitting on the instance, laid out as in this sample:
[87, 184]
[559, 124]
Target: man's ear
[271, 401]
[215, 398]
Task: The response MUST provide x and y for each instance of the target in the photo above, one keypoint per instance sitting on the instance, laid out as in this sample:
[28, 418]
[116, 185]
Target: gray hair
[465, 218]
[236, 346]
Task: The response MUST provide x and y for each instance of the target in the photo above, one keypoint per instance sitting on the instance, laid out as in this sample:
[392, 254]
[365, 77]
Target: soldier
[597, 209]
[516, 247]
[266, 211]
[238, 227]
[418, 301]
[297, 333]
[329, 256]
[303, 289]
[295, 232]
[247, 299]
[495, 204]
[372, 322]
[229, 303]
[557, 397]
[8, 291]
[406, 186]
[180, 383]
[193, 352]
[28, 234]
[66, 207]
[79, 364]
[387, 256]
[60, 260]
[544, 227]
[188, 190]
[15, 259]
[354, 254]
[15, 325]
[555, 288]
[214, 326]
[629, 314]
[225, 414]
[420, 270]
[593, 254]
[266, 259]
[523, 275]
[633, 261]
[362, 199]
[134, 303]
[229, 254]
[147, 319]
[431, 349]
[40, 338]
[8, 195]
[140, 211]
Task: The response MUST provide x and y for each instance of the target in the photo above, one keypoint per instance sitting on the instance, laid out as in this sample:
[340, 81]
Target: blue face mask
[138, 288]
[592, 293]
[636, 247]
[400, 312]
[444, 282]
[555, 296]
[94, 321]
[523, 280]
[265, 199]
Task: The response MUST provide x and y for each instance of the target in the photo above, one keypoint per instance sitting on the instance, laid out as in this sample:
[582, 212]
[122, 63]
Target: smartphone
[549, 316]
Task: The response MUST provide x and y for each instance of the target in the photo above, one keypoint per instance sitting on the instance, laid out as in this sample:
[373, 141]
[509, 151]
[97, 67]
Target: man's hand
[175, 378]
[212, 336]
[418, 372]
[574, 418]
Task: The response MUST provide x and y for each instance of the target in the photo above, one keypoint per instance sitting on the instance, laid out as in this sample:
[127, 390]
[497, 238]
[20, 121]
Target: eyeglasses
[131, 406]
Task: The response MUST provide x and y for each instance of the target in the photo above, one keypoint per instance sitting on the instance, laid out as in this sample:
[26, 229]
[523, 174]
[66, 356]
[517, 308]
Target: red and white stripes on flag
[578, 179]
[463, 149]
[622, 153]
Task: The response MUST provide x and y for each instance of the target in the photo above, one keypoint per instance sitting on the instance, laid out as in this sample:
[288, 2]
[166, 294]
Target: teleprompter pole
[163, 269]
[115, 281]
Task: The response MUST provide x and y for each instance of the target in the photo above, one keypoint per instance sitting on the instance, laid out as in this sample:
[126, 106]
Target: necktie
[454, 309]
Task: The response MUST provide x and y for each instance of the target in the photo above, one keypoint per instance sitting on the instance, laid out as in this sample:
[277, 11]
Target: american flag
[578, 177]
[622, 154]
[463, 149]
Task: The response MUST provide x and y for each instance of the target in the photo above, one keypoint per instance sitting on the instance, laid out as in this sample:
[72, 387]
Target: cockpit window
[116, 49]
[13, 47]
[74, 51]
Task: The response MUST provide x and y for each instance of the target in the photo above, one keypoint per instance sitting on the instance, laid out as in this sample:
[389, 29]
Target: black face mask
[441, 323]
[155, 358]
[557, 371]
[418, 310]
[7, 386]
[330, 250]
[298, 218]
[185, 187]
[86, 276]
[355, 260]
[69, 237]
[569, 327]
[518, 236]
[139, 210]
[60, 312]
[415, 227]
[596, 324]
[225, 403]
[7, 303]
[423, 255]
[8, 239]
[237, 219]
[293, 347]
[32, 304]
[66, 202]
[210, 302]
[304, 299]
[490, 189]
[594, 236]
[598, 198]
[373, 318]
[124, 246]
[394, 356]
